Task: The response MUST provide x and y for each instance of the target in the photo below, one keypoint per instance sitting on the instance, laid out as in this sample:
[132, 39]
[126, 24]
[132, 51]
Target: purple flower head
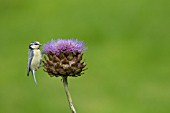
[62, 46]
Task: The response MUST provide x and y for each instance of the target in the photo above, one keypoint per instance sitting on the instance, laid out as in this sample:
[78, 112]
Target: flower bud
[64, 58]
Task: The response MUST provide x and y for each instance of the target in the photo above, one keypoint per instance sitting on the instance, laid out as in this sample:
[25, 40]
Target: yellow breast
[36, 60]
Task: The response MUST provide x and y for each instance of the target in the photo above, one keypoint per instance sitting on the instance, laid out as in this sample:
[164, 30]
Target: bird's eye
[36, 44]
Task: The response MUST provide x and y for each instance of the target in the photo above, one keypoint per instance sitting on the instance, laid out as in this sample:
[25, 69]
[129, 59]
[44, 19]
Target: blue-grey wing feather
[30, 56]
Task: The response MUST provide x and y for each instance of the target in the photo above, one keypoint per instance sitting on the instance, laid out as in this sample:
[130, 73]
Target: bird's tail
[33, 74]
[28, 73]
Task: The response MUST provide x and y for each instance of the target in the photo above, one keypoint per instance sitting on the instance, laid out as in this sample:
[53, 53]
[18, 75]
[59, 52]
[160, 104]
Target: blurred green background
[128, 55]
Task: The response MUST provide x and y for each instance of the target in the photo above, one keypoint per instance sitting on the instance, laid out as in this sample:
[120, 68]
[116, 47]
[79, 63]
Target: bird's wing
[30, 56]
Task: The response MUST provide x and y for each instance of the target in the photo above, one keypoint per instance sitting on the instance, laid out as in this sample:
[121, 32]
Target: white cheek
[35, 46]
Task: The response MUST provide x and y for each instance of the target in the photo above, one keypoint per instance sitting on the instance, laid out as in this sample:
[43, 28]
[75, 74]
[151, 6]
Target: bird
[34, 58]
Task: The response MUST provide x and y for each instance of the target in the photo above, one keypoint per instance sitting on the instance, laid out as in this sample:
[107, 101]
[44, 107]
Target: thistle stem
[65, 83]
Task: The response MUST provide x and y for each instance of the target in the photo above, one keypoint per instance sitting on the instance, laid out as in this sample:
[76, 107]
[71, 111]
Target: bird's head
[35, 45]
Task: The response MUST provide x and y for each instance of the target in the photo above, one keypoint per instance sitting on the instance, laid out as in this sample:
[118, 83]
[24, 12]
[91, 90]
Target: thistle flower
[64, 57]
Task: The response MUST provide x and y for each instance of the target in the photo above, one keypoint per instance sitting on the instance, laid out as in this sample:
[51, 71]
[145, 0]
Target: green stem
[65, 83]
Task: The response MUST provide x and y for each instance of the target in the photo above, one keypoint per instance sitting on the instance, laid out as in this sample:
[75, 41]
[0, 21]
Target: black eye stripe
[34, 43]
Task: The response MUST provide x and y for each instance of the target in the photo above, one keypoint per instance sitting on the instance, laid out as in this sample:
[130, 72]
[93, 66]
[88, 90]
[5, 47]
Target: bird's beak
[40, 44]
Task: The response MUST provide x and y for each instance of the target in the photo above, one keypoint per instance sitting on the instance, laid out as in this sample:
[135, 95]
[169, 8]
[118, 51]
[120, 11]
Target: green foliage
[128, 55]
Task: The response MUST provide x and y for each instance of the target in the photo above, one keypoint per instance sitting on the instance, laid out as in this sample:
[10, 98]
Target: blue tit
[34, 58]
